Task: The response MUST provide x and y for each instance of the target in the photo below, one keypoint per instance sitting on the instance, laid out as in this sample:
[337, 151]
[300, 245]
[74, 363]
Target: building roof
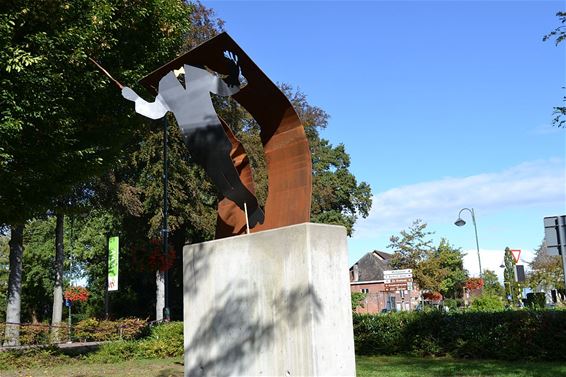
[372, 265]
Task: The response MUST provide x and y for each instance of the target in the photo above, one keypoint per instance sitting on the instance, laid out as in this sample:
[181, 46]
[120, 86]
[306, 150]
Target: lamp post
[165, 230]
[460, 222]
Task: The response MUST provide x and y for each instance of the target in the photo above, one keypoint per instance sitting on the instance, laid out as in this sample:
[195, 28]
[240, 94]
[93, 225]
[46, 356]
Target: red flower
[432, 296]
[76, 294]
[474, 283]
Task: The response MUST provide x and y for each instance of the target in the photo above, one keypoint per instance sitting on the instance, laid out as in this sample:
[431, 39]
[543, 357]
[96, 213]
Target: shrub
[31, 358]
[506, 335]
[487, 303]
[536, 300]
[357, 299]
[450, 303]
[92, 329]
[165, 340]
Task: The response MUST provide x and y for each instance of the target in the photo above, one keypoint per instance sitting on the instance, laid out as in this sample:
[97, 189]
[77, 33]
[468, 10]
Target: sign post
[555, 237]
[398, 280]
[112, 256]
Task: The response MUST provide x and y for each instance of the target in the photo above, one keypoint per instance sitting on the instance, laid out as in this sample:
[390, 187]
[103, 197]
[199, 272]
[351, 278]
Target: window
[365, 290]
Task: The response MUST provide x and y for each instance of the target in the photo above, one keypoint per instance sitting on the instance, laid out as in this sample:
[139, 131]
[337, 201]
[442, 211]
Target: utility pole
[165, 230]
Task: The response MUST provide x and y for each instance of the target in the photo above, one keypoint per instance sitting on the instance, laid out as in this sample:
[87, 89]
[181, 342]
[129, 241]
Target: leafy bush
[165, 340]
[33, 357]
[536, 300]
[488, 303]
[450, 303]
[506, 335]
[91, 329]
[357, 299]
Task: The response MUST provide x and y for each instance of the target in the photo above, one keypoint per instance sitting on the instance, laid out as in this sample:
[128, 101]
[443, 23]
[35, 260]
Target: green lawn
[172, 367]
[380, 366]
[401, 366]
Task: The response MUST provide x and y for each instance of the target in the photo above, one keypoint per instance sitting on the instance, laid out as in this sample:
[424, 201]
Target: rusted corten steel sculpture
[286, 149]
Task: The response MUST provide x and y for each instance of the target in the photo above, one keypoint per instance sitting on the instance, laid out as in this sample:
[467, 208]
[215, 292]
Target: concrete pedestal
[273, 303]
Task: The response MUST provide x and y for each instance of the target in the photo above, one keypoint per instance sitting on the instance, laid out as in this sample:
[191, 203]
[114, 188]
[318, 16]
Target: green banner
[113, 250]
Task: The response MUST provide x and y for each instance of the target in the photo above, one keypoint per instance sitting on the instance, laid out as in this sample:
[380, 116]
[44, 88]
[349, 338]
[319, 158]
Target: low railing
[89, 330]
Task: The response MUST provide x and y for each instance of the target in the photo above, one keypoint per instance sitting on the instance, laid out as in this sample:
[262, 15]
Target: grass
[169, 367]
[367, 366]
[403, 366]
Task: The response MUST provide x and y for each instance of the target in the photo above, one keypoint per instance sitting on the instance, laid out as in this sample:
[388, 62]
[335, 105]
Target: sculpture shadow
[245, 323]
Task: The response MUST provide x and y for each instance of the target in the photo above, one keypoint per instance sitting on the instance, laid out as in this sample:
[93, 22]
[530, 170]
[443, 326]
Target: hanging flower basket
[76, 294]
[432, 296]
[474, 283]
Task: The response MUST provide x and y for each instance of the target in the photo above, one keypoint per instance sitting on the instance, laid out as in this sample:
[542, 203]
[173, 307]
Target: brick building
[366, 275]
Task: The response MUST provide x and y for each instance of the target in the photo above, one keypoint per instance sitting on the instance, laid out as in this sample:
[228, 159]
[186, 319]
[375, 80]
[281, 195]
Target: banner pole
[106, 297]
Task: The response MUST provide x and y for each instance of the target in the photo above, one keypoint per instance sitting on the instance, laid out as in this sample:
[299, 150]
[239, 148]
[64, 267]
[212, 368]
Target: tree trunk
[160, 295]
[13, 308]
[57, 313]
[34, 319]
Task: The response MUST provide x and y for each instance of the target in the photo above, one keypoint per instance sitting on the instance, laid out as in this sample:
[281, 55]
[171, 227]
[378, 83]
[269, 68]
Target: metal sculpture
[202, 131]
[218, 150]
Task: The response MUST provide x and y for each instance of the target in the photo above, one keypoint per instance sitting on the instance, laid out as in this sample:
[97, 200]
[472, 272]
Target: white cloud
[529, 184]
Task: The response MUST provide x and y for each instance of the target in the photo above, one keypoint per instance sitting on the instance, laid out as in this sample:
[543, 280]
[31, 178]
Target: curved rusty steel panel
[285, 144]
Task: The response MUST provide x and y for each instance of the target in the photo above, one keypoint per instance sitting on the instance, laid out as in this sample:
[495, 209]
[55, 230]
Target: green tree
[491, 284]
[546, 271]
[38, 280]
[512, 287]
[451, 274]
[410, 249]
[61, 123]
[487, 302]
[439, 269]
[357, 300]
[442, 270]
[559, 35]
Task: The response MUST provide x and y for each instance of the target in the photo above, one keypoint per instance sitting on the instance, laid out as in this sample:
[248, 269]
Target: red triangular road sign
[516, 254]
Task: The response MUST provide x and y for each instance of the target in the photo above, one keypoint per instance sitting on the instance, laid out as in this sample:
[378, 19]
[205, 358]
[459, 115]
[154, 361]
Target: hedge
[160, 341]
[504, 335]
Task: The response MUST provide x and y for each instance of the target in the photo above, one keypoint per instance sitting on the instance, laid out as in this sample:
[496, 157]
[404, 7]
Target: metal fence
[89, 330]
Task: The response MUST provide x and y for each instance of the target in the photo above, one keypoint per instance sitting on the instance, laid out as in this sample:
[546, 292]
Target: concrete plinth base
[273, 303]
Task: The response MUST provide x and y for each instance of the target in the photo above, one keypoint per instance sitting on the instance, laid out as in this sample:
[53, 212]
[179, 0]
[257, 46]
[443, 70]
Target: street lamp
[461, 222]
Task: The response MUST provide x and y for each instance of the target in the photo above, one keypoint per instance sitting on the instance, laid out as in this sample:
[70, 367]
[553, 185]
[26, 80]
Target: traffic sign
[405, 271]
[395, 287]
[516, 254]
[401, 280]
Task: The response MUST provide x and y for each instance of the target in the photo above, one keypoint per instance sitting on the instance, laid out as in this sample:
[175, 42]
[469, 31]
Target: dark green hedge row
[506, 335]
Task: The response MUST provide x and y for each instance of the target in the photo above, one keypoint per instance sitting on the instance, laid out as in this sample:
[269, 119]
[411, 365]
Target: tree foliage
[74, 142]
[491, 283]
[411, 247]
[447, 275]
[436, 269]
[61, 121]
[546, 271]
[559, 35]
[487, 302]
[357, 299]
[512, 287]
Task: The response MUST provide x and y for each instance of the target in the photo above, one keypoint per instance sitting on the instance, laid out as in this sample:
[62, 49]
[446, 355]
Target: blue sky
[441, 105]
